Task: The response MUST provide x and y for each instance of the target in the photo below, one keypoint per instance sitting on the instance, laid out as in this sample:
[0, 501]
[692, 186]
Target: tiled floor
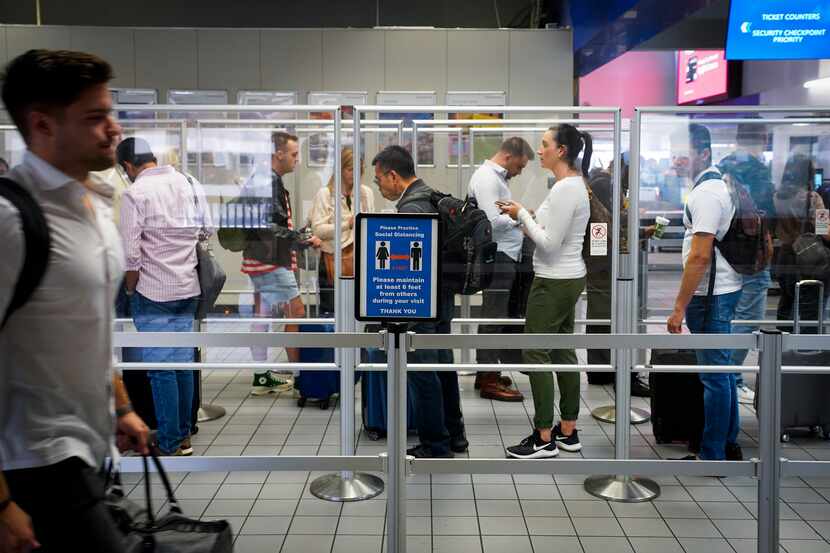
[275, 513]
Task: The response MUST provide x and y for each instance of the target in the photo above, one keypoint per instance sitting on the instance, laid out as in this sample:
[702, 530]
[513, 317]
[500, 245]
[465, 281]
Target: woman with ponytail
[558, 231]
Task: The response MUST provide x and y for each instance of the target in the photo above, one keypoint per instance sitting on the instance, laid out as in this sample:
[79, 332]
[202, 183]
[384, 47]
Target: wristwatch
[124, 410]
[5, 503]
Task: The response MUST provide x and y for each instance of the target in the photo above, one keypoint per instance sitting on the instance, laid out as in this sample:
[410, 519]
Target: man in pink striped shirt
[270, 256]
[162, 215]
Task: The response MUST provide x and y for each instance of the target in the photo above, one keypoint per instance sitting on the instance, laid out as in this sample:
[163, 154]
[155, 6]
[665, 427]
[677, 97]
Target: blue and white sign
[778, 30]
[398, 276]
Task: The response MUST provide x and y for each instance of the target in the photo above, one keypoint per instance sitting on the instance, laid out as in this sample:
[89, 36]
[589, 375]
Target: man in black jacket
[437, 400]
[270, 255]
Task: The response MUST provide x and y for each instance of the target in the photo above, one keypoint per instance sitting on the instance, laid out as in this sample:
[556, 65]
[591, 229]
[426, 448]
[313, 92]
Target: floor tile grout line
[296, 509]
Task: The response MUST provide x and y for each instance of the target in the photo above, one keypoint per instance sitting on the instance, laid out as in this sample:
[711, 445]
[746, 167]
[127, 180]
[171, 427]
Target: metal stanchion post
[346, 486]
[769, 426]
[397, 345]
[207, 412]
[622, 488]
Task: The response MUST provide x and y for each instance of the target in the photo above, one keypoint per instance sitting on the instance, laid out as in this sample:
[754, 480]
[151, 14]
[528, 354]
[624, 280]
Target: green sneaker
[268, 383]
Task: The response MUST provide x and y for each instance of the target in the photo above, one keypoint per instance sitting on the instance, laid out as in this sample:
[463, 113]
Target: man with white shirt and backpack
[710, 287]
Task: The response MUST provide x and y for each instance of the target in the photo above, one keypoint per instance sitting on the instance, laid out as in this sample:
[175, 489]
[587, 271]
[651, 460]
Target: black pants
[506, 298]
[599, 307]
[65, 503]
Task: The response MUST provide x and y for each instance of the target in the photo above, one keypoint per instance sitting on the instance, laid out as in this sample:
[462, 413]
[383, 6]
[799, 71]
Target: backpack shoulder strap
[36, 241]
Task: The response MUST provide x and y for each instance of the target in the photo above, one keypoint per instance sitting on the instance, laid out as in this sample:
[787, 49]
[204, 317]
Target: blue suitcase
[374, 404]
[317, 385]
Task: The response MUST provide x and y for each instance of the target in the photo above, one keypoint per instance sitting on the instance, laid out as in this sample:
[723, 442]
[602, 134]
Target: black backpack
[468, 252]
[744, 246]
[36, 240]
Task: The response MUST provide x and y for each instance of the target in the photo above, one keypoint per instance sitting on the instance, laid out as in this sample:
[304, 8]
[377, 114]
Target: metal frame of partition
[769, 467]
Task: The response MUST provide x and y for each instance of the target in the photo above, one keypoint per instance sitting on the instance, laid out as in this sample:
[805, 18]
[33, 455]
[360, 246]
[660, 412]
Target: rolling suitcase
[676, 400]
[804, 397]
[373, 399]
[317, 385]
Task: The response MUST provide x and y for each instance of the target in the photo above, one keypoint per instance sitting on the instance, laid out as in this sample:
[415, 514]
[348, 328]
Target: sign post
[397, 281]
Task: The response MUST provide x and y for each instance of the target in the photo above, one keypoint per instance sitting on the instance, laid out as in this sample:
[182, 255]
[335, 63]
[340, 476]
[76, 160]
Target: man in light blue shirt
[489, 185]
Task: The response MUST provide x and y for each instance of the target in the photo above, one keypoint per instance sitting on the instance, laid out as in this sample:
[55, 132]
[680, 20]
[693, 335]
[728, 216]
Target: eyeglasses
[377, 179]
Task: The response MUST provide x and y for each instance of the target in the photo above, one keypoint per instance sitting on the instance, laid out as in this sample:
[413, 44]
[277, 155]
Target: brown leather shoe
[503, 380]
[493, 388]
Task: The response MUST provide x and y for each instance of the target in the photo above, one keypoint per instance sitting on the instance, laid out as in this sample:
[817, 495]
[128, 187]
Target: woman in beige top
[322, 225]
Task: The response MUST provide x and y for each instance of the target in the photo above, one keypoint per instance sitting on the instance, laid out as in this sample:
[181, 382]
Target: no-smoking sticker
[822, 221]
[599, 238]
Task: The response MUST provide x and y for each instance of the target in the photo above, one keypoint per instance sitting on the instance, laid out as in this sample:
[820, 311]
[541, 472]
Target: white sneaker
[746, 395]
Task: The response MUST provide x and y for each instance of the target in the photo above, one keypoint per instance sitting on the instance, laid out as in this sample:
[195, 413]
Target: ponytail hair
[574, 141]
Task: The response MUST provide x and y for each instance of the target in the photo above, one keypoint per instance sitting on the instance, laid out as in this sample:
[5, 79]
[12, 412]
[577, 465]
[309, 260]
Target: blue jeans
[720, 399]
[172, 390]
[751, 306]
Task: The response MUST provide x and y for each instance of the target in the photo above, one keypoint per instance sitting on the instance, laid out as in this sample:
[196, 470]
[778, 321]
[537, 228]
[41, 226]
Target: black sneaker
[568, 443]
[639, 387]
[533, 447]
[459, 444]
[424, 452]
[734, 452]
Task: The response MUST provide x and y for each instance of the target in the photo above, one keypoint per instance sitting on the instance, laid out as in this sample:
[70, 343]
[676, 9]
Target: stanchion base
[336, 487]
[624, 489]
[608, 413]
[210, 413]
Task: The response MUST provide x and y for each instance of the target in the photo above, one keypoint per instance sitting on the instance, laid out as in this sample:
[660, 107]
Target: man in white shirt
[488, 185]
[708, 301]
[56, 381]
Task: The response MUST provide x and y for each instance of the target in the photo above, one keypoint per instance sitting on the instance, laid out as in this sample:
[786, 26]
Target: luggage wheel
[785, 438]
[817, 430]
[324, 404]
[301, 401]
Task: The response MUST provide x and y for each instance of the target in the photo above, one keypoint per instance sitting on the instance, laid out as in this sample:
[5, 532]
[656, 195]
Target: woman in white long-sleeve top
[558, 231]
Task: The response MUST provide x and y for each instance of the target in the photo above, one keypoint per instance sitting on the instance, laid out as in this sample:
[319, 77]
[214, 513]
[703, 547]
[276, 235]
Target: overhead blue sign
[398, 268]
[778, 30]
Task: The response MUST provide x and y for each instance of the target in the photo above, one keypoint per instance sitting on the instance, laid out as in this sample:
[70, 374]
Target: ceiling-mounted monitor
[778, 30]
[702, 76]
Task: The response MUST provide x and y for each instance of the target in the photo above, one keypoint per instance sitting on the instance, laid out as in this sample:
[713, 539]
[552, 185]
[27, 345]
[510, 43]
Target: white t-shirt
[559, 229]
[711, 210]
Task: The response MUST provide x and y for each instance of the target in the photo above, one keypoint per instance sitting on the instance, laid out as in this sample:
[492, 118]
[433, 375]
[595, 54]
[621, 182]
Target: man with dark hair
[56, 377]
[437, 399]
[746, 167]
[162, 216]
[709, 288]
[503, 299]
[270, 255]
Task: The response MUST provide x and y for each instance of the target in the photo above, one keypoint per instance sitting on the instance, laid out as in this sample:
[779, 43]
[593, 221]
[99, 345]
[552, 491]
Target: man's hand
[314, 242]
[16, 532]
[133, 434]
[675, 323]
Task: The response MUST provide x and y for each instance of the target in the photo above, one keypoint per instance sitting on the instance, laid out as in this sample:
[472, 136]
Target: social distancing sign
[398, 277]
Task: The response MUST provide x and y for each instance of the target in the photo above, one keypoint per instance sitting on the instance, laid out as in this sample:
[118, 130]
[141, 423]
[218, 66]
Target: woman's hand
[16, 532]
[510, 208]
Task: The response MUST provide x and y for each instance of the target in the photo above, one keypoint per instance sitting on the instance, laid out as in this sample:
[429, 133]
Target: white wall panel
[165, 59]
[21, 39]
[3, 52]
[229, 60]
[117, 46]
[353, 60]
[292, 60]
[477, 60]
[540, 68]
[416, 60]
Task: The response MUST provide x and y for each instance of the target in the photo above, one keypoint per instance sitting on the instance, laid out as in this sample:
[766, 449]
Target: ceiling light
[817, 83]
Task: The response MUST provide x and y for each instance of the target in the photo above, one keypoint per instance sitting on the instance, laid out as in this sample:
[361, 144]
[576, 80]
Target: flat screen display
[778, 30]
[701, 75]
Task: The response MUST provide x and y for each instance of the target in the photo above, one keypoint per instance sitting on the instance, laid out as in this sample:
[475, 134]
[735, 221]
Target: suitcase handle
[797, 301]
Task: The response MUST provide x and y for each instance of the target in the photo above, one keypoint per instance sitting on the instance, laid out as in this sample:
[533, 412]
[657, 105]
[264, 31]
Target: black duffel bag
[173, 532]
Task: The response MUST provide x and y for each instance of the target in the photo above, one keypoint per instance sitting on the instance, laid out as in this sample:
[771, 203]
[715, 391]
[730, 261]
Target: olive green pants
[551, 308]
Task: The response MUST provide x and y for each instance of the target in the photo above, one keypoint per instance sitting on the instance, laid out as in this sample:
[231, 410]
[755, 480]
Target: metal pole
[466, 354]
[624, 488]
[396, 348]
[414, 143]
[769, 425]
[206, 412]
[345, 486]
